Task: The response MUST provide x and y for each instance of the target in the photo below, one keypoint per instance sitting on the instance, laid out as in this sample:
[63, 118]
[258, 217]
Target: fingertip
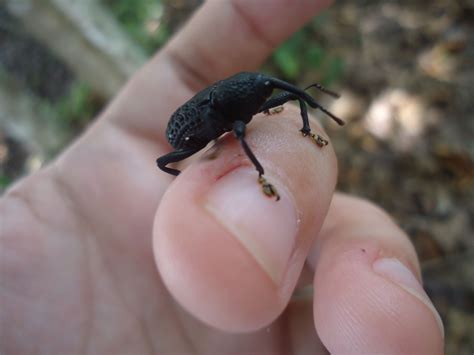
[207, 269]
[228, 253]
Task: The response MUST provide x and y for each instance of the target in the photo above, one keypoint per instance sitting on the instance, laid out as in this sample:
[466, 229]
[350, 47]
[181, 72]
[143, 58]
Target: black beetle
[228, 105]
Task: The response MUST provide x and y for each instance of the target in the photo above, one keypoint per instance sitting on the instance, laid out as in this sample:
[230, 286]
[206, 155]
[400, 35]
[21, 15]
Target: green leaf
[288, 56]
[334, 71]
[287, 62]
[315, 56]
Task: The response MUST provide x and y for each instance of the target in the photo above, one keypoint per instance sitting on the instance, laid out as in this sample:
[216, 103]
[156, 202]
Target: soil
[409, 144]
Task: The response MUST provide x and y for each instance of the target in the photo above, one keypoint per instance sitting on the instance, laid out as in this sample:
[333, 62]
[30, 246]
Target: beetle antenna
[323, 89]
[339, 121]
[283, 85]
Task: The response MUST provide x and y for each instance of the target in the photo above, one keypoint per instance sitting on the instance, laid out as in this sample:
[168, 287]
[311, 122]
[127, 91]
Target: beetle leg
[306, 130]
[239, 132]
[274, 110]
[174, 157]
[277, 100]
[283, 85]
[284, 97]
[267, 188]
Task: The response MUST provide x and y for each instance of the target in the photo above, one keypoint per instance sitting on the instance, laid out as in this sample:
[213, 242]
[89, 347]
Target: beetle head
[264, 86]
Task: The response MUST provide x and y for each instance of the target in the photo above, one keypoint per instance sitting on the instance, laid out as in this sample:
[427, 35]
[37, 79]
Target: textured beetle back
[241, 95]
[185, 121]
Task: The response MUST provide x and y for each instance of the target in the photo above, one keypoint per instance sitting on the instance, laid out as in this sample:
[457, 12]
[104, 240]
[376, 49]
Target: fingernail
[265, 227]
[398, 273]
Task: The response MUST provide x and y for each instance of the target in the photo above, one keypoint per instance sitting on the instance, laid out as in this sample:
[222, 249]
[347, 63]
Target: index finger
[222, 38]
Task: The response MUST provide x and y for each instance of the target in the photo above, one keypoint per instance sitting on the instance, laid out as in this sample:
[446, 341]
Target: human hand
[77, 269]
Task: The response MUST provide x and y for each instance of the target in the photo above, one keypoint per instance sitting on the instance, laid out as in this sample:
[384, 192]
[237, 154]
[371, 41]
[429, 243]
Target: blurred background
[405, 70]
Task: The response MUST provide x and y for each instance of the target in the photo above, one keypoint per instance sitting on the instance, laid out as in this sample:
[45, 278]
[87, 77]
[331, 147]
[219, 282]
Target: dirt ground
[407, 94]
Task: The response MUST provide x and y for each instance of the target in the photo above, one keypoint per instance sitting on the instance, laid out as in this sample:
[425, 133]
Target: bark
[24, 118]
[86, 37]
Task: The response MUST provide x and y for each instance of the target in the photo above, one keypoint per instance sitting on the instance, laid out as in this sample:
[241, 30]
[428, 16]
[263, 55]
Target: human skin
[101, 253]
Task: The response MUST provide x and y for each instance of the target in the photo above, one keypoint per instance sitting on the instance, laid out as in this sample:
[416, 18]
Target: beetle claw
[274, 110]
[268, 189]
[320, 141]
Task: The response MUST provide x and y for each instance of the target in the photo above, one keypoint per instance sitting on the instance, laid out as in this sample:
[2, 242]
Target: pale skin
[90, 265]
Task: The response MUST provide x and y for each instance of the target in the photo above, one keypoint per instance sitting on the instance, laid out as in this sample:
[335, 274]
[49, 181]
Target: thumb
[229, 254]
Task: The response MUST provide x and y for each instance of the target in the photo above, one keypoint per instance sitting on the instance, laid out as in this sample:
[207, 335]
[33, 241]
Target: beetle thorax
[239, 100]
